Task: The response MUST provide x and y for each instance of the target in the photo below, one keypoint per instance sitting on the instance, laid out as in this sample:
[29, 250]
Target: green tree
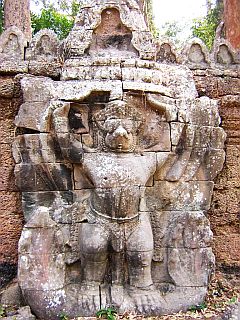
[51, 18]
[205, 28]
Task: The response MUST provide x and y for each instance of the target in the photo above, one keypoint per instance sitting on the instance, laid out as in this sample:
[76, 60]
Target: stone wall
[225, 210]
[10, 209]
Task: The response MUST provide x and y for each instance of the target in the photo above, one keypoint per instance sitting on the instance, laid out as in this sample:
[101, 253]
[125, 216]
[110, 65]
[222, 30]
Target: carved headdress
[119, 109]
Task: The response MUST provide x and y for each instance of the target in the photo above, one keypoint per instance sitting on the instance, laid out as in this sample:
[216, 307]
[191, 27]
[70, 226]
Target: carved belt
[104, 216]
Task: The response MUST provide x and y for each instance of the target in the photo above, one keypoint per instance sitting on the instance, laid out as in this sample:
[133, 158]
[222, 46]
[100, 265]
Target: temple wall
[224, 214]
[223, 85]
[11, 217]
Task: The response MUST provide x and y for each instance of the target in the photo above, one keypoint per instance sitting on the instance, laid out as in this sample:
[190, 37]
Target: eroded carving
[116, 169]
[12, 44]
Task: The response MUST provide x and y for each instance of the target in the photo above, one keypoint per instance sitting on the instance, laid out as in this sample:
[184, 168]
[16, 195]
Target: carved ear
[156, 104]
[98, 124]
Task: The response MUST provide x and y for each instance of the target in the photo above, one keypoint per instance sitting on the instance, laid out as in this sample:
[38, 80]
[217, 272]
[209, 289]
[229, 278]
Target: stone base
[74, 302]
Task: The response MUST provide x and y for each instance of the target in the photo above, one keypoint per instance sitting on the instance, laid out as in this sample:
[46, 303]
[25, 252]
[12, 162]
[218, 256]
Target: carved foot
[147, 301]
[91, 299]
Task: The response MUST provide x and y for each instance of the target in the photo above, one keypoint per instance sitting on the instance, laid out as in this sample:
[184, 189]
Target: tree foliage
[205, 28]
[51, 18]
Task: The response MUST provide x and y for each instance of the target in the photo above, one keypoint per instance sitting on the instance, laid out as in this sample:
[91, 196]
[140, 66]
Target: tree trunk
[232, 22]
[17, 13]
[208, 5]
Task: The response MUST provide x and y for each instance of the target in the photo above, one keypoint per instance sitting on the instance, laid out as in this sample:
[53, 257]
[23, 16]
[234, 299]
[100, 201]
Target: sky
[167, 10]
[182, 11]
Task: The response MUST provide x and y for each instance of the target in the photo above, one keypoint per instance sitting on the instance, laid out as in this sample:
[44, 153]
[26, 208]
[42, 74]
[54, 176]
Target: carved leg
[146, 298]
[94, 254]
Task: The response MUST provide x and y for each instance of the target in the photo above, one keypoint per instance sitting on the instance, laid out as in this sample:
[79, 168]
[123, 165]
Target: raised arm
[70, 144]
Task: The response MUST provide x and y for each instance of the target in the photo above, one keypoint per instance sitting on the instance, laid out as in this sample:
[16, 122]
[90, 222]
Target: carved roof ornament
[110, 25]
[224, 55]
[44, 46]
[195, 54]
[12, 44]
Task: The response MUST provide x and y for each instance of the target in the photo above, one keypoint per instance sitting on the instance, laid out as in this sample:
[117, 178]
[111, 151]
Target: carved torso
[117, 181]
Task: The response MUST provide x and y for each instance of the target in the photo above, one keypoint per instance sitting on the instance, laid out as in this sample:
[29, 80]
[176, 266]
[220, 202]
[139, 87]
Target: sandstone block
[41, 241]
[35, 116]
[189, 267]
[55, 201]
[13, 67]
[45, 68]
[36, 148]
[7, 85]
[37, 89]
[177, 196]
[30, 276]
[182, 298]
[48, 177]
[180, 229]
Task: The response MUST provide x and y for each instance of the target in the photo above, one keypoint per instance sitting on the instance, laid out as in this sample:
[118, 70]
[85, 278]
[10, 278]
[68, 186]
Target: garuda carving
[115, 163]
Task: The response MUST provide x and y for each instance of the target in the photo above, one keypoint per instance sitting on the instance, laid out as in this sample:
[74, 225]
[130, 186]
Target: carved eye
[111, 125]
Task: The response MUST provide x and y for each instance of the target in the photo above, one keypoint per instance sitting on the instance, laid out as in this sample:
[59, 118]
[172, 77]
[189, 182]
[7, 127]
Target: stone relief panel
[44, 46]
[115, 162]
[12, 44]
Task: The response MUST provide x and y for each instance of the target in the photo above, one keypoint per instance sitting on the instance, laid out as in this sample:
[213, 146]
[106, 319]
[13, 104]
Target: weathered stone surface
[6, 87]
[46, 177]
[190, 267]
[190, 296]
[56, 202]
[232, 22]
[196, 55]
[9, 107]
[36, 148]
[40, 279]
[12, 296]
[189, 230]
[12, 44]
[166, 52]
[7, 178]
[44, 46]
[46, 69]
[13, 66]
[7, 131]
[34, 115]
[118, 170]
[177, 196]
[23, 313]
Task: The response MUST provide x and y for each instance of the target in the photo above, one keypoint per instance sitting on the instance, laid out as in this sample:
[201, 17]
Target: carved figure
[115, 227]
[116, 173]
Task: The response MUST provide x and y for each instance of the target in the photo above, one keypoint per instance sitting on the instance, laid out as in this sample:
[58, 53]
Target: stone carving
[115, 162]
[196, 55]
[107, 17]
[12, 44]
[44, 46]
[166, 52]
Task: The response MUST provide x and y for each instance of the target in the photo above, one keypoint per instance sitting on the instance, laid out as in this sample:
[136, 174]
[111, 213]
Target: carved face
[120, 135]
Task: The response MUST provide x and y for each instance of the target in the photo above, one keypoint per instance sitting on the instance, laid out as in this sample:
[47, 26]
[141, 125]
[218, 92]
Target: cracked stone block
[180, 229]
[188, 267]
[43, 177]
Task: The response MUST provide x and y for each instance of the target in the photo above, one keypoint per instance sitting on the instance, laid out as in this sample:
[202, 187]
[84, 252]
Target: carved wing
[182, 190]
